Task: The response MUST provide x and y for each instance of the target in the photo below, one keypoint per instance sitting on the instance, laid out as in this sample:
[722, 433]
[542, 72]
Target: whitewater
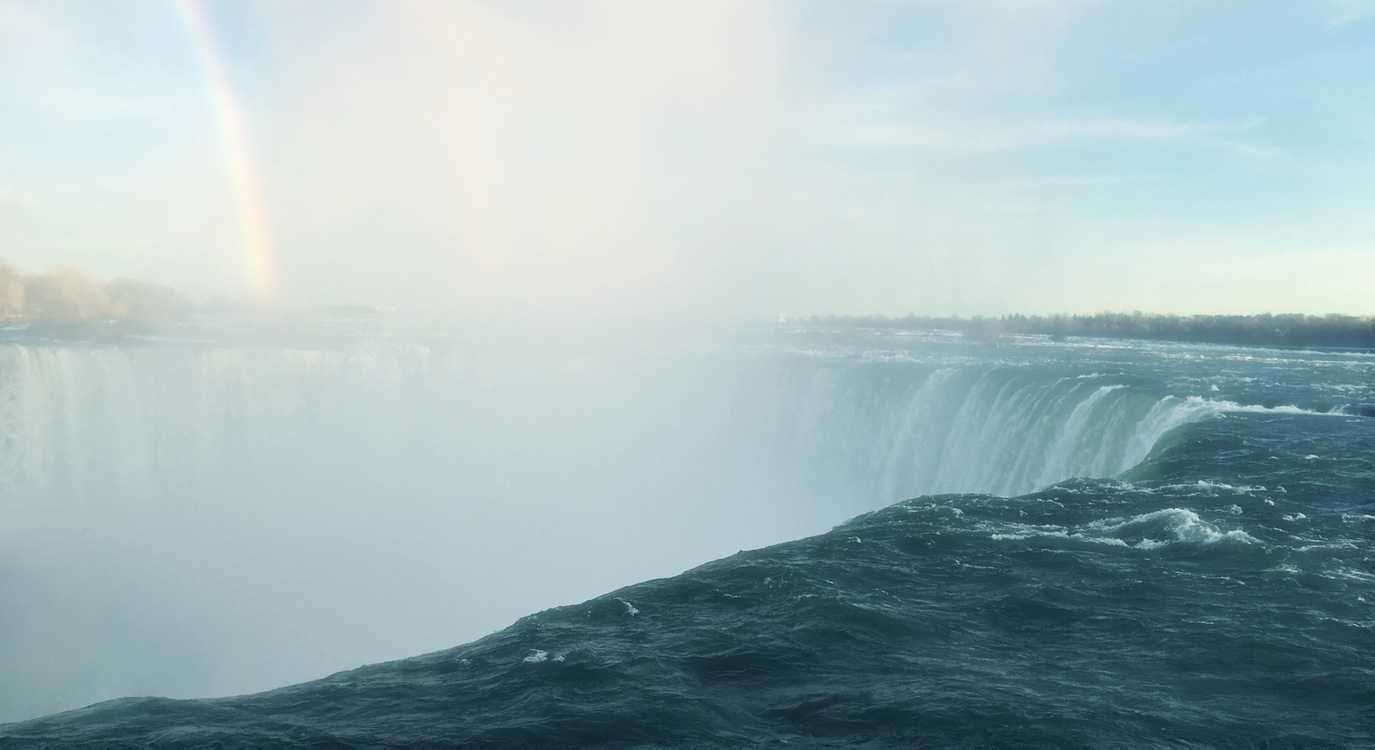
[1089, 541]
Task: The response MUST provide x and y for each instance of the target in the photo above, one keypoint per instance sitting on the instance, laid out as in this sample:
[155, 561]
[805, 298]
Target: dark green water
[1208, 580]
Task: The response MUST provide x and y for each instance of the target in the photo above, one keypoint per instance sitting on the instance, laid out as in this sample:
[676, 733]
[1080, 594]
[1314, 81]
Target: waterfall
[888, 431]
[199, 520]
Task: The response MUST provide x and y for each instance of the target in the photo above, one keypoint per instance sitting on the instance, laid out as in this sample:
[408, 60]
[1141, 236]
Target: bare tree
[137, 300]
[11, 292]
[64, 295]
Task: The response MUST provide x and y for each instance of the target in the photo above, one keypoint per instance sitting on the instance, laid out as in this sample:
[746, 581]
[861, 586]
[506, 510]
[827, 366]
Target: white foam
[1351, 574]
[536, 656]
[629, 608]
[1223, 406]
[933, 508]
[1176, 525]
[1108, 540]
[1058, 534]
[1239, 489]
[1019, 535]
[1329, 545]
[1150, 531]
[1208, 488]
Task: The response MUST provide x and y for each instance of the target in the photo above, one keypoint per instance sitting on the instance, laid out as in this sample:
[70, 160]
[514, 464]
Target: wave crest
[1168, 526]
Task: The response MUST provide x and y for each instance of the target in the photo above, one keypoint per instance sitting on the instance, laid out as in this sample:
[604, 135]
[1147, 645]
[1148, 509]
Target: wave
[1232, 407]
[1168, 526]
[1208, 488]
[886, 432]
[79, 420]
[1146, 531]
[865, 433]
[893, 628]
[171, 479]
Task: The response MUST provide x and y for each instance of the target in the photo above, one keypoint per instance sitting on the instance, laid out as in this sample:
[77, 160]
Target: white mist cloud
[712, 159]
[481, 157]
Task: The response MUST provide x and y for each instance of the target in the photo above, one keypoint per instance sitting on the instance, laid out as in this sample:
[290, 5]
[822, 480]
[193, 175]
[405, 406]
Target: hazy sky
[703, 158]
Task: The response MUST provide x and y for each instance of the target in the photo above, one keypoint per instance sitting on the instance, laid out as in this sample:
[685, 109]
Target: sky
[705, 160]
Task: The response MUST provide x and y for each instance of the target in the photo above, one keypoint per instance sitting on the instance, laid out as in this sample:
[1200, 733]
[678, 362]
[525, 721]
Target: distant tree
[64, 295]
[1255, 330]
[11, 292]
[127, 299]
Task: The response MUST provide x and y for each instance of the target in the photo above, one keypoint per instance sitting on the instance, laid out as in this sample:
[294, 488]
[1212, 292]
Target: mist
[187, 521]
[69, 296]
[565, 221]
[706, 160]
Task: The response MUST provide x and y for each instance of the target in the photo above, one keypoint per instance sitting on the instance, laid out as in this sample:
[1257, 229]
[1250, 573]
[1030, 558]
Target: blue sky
[709, 158]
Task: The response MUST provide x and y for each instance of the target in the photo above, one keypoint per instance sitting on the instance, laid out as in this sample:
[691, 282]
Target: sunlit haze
[700, 159]
[687, 373]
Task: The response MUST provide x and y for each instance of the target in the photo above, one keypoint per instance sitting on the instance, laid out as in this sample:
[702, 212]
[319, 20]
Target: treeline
[1252, 330]
[67, 296]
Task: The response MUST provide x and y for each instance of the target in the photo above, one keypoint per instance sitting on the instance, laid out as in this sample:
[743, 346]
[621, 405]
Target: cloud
[685, 159]
[1342, 13]
[978, 137]
[112, 168]
[506, 160]
[64, 64]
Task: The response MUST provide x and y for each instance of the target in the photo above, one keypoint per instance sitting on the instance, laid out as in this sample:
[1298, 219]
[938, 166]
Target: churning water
[1151, 541]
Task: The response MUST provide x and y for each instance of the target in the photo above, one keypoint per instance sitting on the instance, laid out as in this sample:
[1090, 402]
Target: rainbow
[255, 234]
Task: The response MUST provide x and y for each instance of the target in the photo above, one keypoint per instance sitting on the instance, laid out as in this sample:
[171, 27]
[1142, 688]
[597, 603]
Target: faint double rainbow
[255, 233]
